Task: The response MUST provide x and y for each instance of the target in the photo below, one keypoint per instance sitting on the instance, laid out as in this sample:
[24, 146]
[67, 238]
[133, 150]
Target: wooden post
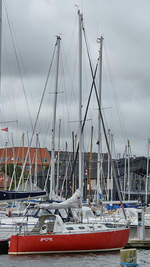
[141, 227]
[128, 256]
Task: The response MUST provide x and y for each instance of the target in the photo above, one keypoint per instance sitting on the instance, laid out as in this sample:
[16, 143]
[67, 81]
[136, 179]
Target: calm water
[73, 260]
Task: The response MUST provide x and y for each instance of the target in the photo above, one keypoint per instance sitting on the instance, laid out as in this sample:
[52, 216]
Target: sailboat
[52, 235]
[16, 195]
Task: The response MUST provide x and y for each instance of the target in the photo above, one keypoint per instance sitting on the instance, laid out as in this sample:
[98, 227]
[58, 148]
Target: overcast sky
[29, 29]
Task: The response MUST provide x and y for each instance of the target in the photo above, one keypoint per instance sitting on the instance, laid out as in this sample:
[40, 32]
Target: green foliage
[10, 170]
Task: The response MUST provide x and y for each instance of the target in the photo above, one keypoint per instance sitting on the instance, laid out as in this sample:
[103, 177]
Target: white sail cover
[72, 202]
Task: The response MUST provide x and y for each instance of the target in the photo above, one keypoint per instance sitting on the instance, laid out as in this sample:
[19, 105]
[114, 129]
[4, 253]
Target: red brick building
[17, 155]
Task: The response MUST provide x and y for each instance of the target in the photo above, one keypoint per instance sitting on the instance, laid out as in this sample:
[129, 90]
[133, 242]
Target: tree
[10, 170]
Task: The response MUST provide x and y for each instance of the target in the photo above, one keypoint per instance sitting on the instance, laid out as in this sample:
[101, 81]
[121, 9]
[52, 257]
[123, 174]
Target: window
[5, 159]
[81, 227]
[44, 160]
[69, 228]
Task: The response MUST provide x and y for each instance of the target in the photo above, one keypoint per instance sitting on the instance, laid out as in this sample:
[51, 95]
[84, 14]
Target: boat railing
[44, 225]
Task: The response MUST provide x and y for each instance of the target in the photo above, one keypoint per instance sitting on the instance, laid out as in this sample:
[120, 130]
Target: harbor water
[107, 259]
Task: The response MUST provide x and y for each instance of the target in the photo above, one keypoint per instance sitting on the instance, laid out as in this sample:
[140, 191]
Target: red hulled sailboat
[52, 235]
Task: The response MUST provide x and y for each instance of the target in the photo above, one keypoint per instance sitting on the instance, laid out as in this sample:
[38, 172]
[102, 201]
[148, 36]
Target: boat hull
[68, 242]
[13, 195]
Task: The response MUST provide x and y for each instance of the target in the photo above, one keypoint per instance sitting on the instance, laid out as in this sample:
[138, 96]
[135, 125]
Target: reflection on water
[99, 259]
[63, 260]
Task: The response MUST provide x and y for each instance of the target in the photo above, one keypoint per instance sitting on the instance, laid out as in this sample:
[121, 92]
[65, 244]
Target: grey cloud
[126, 64]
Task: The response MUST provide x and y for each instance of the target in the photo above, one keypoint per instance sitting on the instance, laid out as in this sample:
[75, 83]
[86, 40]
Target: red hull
[65, 243]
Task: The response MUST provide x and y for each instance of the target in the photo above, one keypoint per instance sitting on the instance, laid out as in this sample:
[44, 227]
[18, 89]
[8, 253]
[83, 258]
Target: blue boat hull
[12, 195]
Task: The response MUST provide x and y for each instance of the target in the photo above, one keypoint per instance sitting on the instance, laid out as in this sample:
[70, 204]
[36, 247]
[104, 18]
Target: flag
[4, 129]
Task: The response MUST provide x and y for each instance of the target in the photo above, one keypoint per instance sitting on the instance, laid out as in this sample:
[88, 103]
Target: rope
[85, 116]
[130, 264]
[16, 52]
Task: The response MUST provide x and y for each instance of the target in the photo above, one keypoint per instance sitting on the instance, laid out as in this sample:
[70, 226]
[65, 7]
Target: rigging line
[68, 92]
[15, 162]
[122, 123]
[37, 117]
[47, 178]
[42, 165]
[62, 82]
[105, 134]
[65, 176]
[18, 62]
[65, 108]
[85, 116]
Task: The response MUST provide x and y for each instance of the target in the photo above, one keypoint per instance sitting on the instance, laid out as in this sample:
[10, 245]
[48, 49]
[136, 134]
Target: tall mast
[108, 171]
[5, 182]
[111, 171]
[58, 159]
[90, 167]
[52, 175]
[125, 173]
[74, 150]
[128, 170]
[147, 172]
[80, 106]
[99, 143]
[66, 170]
[36, 160]
[22, 159]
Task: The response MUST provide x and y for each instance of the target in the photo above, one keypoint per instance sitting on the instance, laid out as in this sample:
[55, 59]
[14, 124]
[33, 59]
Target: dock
[136, 243]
